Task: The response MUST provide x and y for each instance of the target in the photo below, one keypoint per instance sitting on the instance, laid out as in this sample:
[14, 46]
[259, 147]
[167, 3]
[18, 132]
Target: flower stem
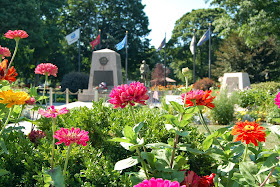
[15, 51]
[53, 140]
[174, 150]
[7, 120]
[246, 151]
[207, 128]
[46, 80]
[143, 163]
[67, 158]
[270, 173]
[133, 116]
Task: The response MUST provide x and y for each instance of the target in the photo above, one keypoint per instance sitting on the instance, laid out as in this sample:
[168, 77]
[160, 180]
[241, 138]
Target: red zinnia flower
[46, 68]
[16, 34]
[4, 52]
[68, 137]
[249, 132]
[9, 75]
[207, 180]
[124, 95]
[200, 97]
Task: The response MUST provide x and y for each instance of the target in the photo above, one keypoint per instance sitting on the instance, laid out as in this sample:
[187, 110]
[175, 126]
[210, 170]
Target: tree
[39, 19]
[158, 74]
[253, 20]
[114, 18]
[182, 34]
[235, 56]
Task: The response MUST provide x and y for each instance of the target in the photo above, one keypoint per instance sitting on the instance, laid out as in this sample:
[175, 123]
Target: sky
[163, 14]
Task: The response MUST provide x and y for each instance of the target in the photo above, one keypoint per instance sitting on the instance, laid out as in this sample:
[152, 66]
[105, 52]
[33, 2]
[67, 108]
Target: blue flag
[121, 45]
[161, 45]
[204, 38]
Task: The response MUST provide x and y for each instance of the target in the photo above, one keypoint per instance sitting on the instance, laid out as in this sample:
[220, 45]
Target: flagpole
[209, 50]
[165, 61]
[79, 61]
[99, 39]
[194, 58]
[126, 58]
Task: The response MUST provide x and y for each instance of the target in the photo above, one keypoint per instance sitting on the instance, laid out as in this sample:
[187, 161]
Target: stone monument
[105, 67]
[235, 81]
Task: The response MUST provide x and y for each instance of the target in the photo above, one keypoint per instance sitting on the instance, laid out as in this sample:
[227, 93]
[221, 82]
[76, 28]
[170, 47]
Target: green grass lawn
[271, 139]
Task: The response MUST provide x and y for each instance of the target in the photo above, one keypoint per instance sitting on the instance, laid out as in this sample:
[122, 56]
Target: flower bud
[185, 71]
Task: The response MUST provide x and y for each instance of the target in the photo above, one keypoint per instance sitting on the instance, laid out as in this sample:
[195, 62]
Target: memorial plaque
[103, 76]
[232, 83]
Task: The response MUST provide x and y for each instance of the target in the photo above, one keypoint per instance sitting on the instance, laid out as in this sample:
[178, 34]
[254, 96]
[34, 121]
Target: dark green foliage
[224, 108]
[261, 62]
[178, 47]
[74, 81]
[204, 84]
[94, 163]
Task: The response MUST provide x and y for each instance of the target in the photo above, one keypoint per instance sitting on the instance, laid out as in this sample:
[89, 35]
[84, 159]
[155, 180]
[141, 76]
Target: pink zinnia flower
[277, 99]
[4, 52]
[124, 95]
[73, 136]
[158, 183]
[31, 101]
[200, 97]
[16, 34]
[46, 68]
[51, 112]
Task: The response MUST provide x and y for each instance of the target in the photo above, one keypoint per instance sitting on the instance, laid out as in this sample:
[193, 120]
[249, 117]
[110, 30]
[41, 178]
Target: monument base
[93, 95]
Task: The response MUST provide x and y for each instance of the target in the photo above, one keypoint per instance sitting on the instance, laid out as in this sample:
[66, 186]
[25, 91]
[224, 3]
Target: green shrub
[204, 84]
[223, 113]
[74, 81]
[271, 87]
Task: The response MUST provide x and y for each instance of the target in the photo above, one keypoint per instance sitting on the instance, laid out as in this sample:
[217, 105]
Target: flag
[95, 42]
[73, 37]
[204, 38]
[192, 45]
[121, 45]
[161, 45]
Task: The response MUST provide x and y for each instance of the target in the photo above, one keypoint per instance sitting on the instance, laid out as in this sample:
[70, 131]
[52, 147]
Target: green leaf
[150, 157]
[248, 170]
[178, 175]
[130, 134]
[177, 106]
[180, 161]
[275, 129]
[207, 142]
[119, 140]
[172, 119]
[182, 133]
[57, 176]
[3, 172]
[127, 163]
[138, 127]
[269, 163]
[47, 180]
[277, 120]
[184, 122]
[226, 168]
[3, 146]
[158, 145]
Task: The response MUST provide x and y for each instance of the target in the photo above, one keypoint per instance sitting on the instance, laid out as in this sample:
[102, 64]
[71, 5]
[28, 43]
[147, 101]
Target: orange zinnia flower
[249, 132]
[12, 98]
[10, 74]
[200, 97]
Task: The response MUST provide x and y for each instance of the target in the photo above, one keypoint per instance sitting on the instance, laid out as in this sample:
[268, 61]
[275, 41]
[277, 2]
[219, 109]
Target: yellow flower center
[249, 128]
